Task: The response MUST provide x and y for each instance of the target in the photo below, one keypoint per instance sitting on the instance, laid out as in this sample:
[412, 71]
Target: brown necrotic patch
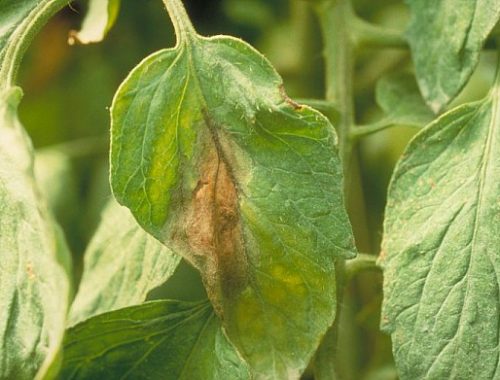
[213, 225]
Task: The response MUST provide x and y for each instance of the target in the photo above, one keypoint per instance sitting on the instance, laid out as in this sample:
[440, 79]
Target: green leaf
[441, 248]
[218, 163]
[122, 264]
[446, 37]
[100, 18]
[398, 96]
[157, 340]
[34, 265]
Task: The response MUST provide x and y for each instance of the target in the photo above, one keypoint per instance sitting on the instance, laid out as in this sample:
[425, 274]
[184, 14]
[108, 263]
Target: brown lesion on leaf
[212, 223]
[30, 270]
[432, 183]
[287, 99]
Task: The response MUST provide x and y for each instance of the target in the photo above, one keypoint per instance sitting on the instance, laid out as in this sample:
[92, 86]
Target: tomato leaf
[216, 161]
[122, 264]
[441, 248]
[398, 96]
[35, 288]
[100, 18]
[159, 339]
[446, 38]
[35, 262]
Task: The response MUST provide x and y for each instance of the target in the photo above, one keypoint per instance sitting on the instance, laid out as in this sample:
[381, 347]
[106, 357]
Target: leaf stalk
[366, 130]
[184, 29]
[362, 262]
[334, 16]
[366, 34]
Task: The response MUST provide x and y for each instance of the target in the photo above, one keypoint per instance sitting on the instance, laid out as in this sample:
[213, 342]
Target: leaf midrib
[213, 132]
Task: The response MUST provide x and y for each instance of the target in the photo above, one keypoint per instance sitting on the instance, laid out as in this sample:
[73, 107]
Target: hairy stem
[334, 17]
[362, 262]
[366, 34]
[184, 29]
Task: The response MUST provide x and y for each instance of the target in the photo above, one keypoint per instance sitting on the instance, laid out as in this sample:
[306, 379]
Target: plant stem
[334, 17]
[366, 34]
[184, 29]
[362, 262]
[365, 130]
[21, 38]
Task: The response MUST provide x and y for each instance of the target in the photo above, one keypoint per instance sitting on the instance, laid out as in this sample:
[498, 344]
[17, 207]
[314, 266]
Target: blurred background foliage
[68, 91]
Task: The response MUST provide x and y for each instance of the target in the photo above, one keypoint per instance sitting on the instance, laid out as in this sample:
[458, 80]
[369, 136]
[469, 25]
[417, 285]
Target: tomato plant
[240, 237]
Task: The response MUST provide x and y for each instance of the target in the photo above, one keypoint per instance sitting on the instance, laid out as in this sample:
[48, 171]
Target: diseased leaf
[157, 340]
[34, 265]
[441, 248]
[122, 264]
[100, 18]
[446, 37]
[398, 96]
[217, 162]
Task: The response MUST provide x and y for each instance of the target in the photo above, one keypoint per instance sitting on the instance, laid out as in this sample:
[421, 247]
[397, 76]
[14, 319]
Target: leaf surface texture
[156, 340]
[446, 37]
[34, 266]
[441, 248]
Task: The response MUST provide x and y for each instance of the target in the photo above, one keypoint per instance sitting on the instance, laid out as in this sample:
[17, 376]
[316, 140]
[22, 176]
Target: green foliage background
[68, 90]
